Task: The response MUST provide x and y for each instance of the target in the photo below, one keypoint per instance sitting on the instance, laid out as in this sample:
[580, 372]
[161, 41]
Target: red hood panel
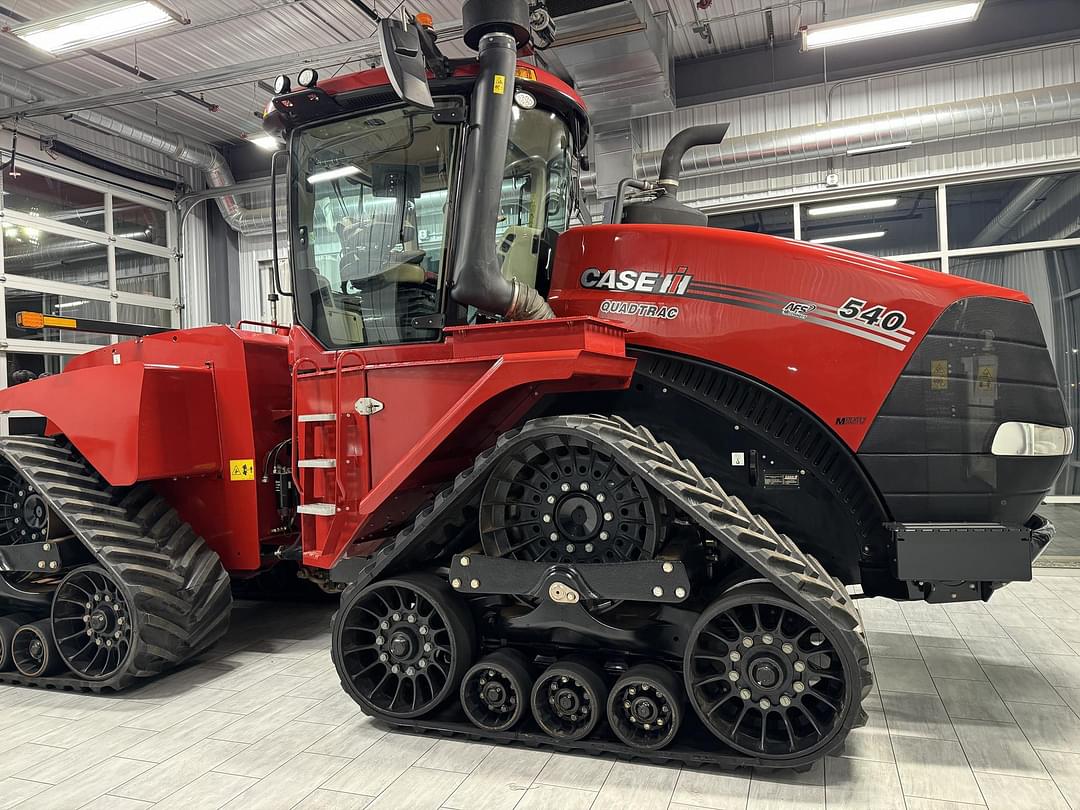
[831, 328]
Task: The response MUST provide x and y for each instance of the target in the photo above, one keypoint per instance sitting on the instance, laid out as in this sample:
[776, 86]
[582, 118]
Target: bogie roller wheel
[93, 623]
[766, 680]
[645, 707]
[564, 499]
[34, 651]
[8, 626]
[568, 700]
[402, 646]
[495, 692]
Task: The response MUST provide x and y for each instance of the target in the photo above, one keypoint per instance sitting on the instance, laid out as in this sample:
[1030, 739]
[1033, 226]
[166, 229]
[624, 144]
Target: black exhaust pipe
[671, 161]
[496, 29]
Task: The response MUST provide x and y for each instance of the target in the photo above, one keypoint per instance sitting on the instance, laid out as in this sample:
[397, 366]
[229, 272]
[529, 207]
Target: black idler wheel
[645, 708]
[34, 651]
[402, 646]
[766, 680]
[568, 699]
[495, 691]
[93, 622]
[564, 499]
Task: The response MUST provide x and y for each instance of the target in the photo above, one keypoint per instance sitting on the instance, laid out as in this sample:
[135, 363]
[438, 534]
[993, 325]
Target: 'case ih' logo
[637, 281]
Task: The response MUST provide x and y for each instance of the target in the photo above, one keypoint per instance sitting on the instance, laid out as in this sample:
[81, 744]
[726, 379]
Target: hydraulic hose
[671, 162]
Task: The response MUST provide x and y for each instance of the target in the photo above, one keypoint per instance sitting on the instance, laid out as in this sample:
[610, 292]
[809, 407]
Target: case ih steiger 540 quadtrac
[597, 487]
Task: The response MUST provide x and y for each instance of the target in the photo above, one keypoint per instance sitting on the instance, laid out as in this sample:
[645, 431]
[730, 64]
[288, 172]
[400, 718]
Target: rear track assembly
[790, 612]
[140, 592]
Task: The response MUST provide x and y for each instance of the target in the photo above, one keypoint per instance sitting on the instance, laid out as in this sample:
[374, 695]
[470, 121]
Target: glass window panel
[771, 221]
[51, 304]
[42, 196]
[1042, 275]
[1007, 212]
[147, 316]
[892, 223]
[38, 253]
[929, 264]
[132, 220]
[142, 273]
[23, 367]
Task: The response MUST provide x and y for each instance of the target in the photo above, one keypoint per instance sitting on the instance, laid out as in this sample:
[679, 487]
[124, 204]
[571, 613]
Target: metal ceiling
[227, 32]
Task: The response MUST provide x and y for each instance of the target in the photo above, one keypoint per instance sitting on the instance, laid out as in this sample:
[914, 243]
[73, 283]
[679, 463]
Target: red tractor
[600, 487]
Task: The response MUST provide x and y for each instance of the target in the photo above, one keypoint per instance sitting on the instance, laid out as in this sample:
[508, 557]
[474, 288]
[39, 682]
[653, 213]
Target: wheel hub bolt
[733, 675]
[608, 516]
[798, 686]
[455, 582]
[427, 646]
[800, 666]
[588, 548]
[600, 498]
[785, 701]
[410, 672]
[764, 704]
[379, 641]
[680, 592]
[384, 657]
[744, 694]
[384, 625]
[395, 669]
[668, 568]
[748, 642]
[787, 648]
[766, 639]
[554, 536]
[411, 619]
[546, 518]
[423, 629]
[422, 663]
[565, 487]
[604, 535]
[584, 486]
[397, 617]
[735, 655]
[570, 548]
[551, 499]
[657, 591]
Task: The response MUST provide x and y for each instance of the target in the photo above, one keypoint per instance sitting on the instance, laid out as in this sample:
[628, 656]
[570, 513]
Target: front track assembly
[106, 585]
[702, 637]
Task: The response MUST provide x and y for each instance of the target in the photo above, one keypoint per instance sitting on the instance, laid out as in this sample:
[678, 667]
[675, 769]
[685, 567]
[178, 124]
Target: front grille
[984, 362]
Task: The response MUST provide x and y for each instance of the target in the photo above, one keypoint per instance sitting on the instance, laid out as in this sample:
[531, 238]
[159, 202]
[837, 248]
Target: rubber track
[727, 519]
[180, 589]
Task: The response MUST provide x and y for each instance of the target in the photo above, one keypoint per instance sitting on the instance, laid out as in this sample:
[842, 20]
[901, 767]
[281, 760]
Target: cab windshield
[371, 209]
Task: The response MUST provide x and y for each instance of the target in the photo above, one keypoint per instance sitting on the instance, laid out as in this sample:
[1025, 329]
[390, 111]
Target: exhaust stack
[495, 29]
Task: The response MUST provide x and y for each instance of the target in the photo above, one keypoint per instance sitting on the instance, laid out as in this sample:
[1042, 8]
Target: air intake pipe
[671, 161]
[496, 29]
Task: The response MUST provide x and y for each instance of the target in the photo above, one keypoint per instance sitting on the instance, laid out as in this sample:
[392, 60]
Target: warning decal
[242, 469]
[500, 84]
[985, 380]
[939, 375]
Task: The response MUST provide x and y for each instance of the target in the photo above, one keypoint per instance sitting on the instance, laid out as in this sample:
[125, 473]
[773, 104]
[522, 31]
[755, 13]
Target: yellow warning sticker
[939, 375]
[242, 469]
[985, 380]
[500, 84]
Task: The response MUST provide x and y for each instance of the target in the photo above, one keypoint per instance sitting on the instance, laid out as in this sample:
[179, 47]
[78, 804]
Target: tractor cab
[378, 197]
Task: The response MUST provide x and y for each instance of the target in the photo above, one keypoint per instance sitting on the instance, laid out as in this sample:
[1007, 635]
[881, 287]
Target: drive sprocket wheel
[562, 498]
[766, 680]
[402, 646]
[93, 623]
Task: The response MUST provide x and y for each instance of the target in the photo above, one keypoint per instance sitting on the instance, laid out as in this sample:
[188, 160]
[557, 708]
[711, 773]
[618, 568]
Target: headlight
[1029, 439]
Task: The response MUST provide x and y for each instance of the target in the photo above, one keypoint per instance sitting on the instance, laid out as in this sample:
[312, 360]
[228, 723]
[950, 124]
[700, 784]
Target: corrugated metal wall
[973, 79]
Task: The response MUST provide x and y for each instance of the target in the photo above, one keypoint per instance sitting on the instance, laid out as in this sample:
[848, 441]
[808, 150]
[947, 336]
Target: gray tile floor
[975, 706]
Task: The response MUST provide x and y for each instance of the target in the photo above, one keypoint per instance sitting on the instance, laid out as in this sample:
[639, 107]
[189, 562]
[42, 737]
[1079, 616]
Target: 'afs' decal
[797, 309]
[637, 281]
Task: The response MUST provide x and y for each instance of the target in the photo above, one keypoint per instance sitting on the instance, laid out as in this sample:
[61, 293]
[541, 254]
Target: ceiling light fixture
[94, 25]
[333, 174]
[889, 23]
[264, 140]
[848, 237]
[881, 147]
[855, 205]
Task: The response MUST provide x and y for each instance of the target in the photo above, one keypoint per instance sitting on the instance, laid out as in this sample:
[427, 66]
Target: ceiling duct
[192, 153]
[618, 54]
[941, 122]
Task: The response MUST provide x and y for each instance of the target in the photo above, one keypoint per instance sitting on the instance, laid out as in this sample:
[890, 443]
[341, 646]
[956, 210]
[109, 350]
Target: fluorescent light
[93, 25]
[889, 23]
[270, 143]
[880, 147]
[848, 237]
[333, 174]
[857, 205]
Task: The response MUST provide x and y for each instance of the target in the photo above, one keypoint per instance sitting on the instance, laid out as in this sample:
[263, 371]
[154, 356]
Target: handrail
[338, 460]
[280, 328]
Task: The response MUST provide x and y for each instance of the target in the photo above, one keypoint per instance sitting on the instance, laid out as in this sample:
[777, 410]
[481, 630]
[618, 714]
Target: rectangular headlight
[1029, 439]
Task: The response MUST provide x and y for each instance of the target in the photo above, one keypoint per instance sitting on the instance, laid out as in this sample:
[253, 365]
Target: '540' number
[855, 309]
